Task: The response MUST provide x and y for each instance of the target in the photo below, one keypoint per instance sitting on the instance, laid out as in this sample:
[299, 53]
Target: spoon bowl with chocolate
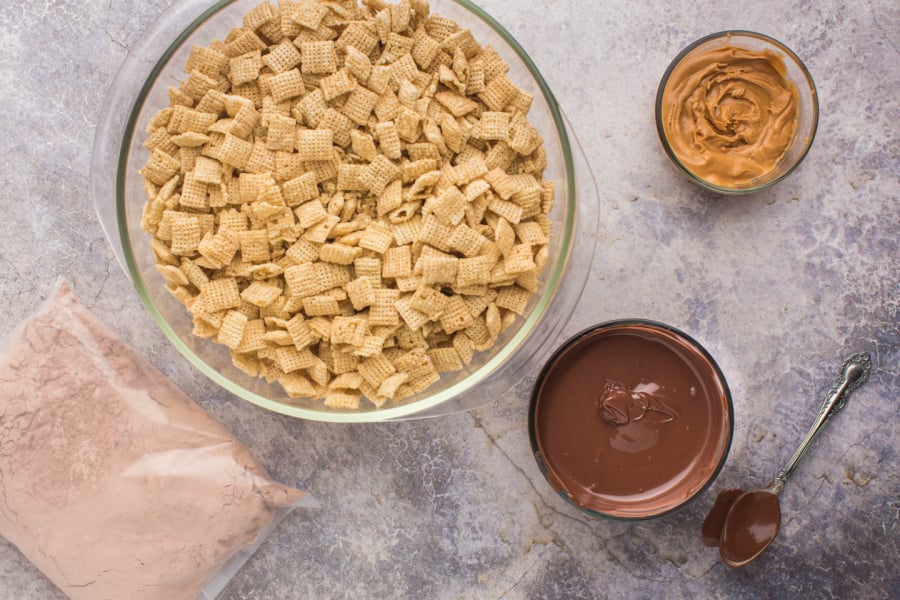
[630, 420]
[743, 524]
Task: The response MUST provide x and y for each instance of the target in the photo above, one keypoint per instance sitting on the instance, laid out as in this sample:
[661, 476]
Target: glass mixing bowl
[140, 89]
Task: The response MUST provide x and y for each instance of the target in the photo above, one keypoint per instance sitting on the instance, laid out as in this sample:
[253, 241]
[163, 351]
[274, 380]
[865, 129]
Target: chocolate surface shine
[632, 420]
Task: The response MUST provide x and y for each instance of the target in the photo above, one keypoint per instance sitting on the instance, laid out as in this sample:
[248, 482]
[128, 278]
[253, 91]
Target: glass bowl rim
[400, 411]
[660, 130]
[537, 453]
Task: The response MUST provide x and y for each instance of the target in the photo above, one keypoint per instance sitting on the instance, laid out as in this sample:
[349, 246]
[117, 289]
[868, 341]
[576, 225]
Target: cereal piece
[346, 381]
[338, 253]
[471, 169]
[310, 213]
[344, 362]
[189, 139]
[510, 211]
[425, 49]
[377, 237]
[429, 301]
[407, 230]
[435, 233]
[359, 105]
[252, 341]
[161, 167]
[282, 57]
[478, 332]
[519, 259]
[286, 85]
[413, 318]
[358, 36]
[388, 139]
[473, 271]
[342, 400]
[261, 294]
[310, 14]
[337, 84]
[186, 235]
[455, 103]
[390, 198]
[193, 193]
[358, 64]
[261, 160]
[207, 170]
[300, 333]
[408, 123]
[319, 306]
[361, 292]
[455, 316]
[397, 262]
[220, 294]
[498, 92]
[390, 385]
[417, 170]
[403, 68]
[493, 126]
[207, 61]
[531, 233]
[289, 359]
[348, 330]
[299, 190]
[445, 359]
[379, 174]
[172, 275]
[524, 138]
[296, 385]
[363, 145]
[231, 332]
[315, 145]
[350, 177]
[318, 57]
[450, 206]
[383, 311]
[513, 298]
[464, 347]
[281, 134]
[194, 274]
[492, 320]
[439, 269]
[466, 240]
[219, 248]
[376, 369]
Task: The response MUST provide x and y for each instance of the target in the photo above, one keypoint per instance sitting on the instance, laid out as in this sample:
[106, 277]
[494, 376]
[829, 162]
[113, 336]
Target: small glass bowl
[695, 477]
[140, 89]
[807, 109]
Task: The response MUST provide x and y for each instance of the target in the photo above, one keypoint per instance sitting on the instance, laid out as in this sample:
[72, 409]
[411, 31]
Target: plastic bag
[112, 481]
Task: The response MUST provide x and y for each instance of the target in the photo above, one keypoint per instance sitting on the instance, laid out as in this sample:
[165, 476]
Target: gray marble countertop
[780, 287]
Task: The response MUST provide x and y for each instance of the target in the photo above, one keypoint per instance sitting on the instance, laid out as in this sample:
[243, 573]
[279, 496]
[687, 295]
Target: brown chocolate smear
[750, 527]
[631, 420]
[712, 524]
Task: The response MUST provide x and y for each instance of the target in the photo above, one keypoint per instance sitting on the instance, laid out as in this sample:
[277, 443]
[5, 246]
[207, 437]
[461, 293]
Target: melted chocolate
[631, 420]
[750, 527]
[712, 524]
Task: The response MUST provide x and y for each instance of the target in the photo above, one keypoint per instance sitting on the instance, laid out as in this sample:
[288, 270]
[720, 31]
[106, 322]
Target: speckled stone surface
[779, 286]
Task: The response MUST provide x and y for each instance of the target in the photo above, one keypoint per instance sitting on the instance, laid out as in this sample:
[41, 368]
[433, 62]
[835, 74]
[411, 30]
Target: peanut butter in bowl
[736, 111]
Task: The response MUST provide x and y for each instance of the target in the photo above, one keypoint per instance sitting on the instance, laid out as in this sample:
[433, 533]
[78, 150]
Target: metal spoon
[752, 521]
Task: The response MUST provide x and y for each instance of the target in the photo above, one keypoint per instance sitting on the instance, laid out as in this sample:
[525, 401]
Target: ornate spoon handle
[854, 373]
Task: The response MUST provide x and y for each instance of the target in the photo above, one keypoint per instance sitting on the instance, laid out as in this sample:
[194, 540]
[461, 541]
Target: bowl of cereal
[737, 111]
[345, 211]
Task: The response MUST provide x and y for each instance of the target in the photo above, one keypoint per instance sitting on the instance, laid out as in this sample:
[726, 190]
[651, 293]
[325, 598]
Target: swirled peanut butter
[729, 114]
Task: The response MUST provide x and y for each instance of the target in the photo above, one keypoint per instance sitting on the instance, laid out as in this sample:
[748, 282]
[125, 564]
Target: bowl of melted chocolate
[630, 419]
